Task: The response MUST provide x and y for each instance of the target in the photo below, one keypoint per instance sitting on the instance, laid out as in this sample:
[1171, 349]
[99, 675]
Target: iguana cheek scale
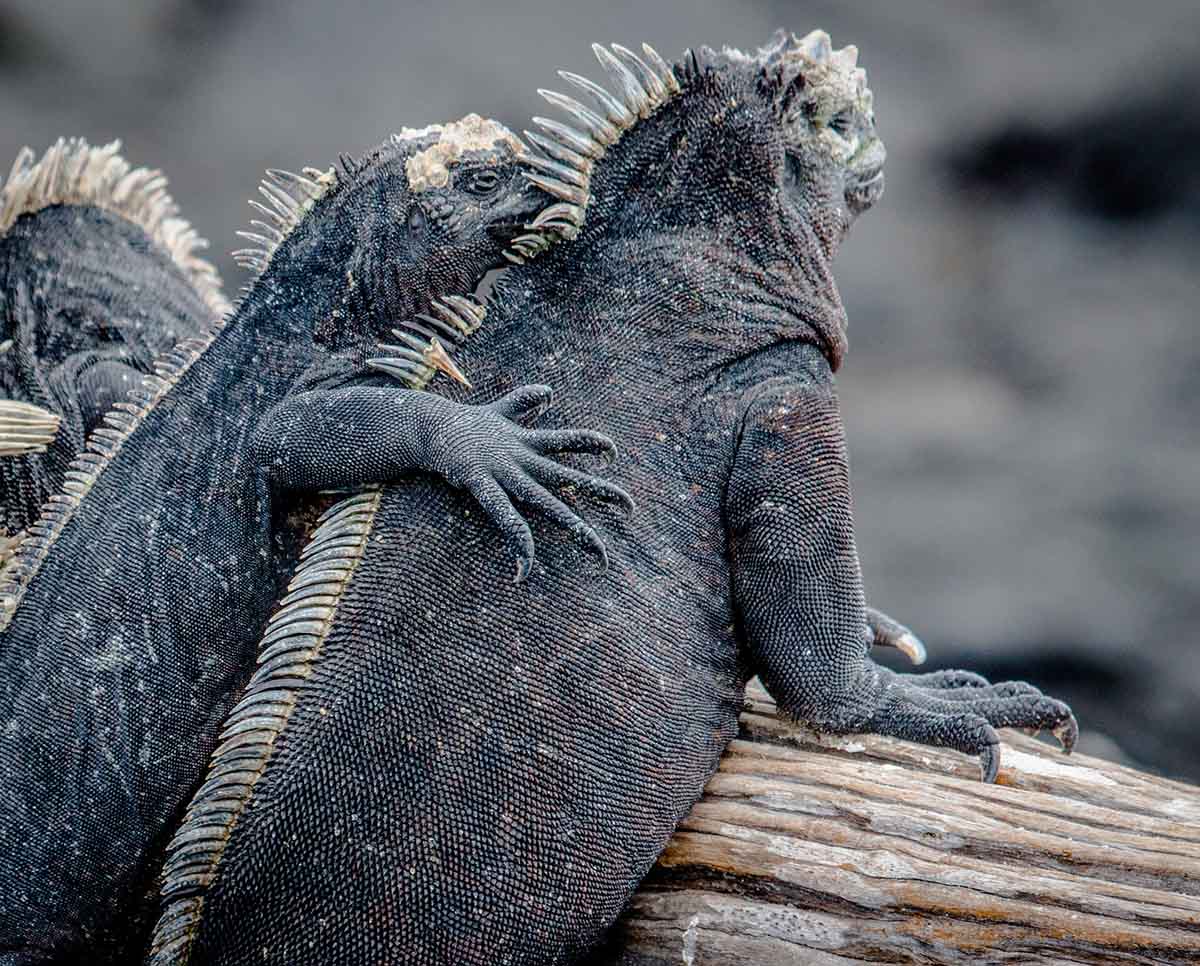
[448, 769]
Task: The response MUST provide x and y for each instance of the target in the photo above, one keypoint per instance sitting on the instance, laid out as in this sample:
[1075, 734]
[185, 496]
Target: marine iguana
[133, 607]
[433, 766]
[98, 277]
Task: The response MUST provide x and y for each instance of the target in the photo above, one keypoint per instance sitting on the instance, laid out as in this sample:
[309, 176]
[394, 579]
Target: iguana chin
[449, 769]
[98, 277]
[132, 608]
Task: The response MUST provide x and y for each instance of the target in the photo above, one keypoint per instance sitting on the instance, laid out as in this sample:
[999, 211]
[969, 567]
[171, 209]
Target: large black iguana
[133, 607]
[432, 765]
[98, 277]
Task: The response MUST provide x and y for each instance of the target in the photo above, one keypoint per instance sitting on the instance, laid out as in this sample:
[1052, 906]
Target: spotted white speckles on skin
[431, 168]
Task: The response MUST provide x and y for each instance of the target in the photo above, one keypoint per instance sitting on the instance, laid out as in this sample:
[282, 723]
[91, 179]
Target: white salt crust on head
[431, 168]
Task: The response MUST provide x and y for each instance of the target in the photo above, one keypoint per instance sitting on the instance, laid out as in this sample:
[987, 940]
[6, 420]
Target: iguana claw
[1067, 734]
[952, 709]
[989, 764]
[882, 631]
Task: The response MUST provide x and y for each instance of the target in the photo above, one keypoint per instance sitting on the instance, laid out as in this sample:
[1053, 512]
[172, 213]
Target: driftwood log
[815, 850]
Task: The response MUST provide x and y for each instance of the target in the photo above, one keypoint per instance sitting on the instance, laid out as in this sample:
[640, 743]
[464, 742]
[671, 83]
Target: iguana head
[771, 154]
[426, 214]
[437, 208]
[826, 112]
[444, 205]
[796, 114]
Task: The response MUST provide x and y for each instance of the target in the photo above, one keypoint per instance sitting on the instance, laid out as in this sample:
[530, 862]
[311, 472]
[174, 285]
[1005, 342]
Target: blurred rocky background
[1023, 389]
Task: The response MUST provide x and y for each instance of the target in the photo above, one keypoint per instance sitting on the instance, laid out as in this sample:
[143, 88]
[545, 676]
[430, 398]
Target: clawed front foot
[500, 461]
[961, 710]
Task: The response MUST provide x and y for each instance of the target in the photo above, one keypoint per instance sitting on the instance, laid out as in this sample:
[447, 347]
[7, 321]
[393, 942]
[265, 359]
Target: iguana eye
[482, 182]
[840, 123]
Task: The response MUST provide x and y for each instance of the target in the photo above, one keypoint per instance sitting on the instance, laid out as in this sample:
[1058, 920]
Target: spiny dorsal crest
[72, 172]
[560, 164]
[425, 343]
[569, 152]
[289, 650]
[288, 198]
[26, 428]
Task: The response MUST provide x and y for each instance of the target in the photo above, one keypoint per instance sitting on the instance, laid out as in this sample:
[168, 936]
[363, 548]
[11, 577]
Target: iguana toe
[1067, 734]
[547, 441]
[550, 473]
[883, 631]
[524, 401]
[531, 493]
[948, 680]
[960, 710]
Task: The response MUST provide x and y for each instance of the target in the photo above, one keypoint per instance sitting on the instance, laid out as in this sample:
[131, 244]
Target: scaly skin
[134, 608]
[89, 303]
[445, 768]
[98, 277]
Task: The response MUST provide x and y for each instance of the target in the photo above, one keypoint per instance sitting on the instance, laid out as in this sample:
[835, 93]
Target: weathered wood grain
[817, 850]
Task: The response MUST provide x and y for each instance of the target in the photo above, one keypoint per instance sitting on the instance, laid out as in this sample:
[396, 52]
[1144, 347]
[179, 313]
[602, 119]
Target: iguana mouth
[864, 181]
[512, 218]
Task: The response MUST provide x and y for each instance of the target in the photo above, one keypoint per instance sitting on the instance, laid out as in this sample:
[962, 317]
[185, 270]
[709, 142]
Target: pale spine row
[72, 172]
[77, 174]
[290, 648]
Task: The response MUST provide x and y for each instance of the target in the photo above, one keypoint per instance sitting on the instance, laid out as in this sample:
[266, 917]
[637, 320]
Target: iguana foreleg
[800, 595]
[355, 435]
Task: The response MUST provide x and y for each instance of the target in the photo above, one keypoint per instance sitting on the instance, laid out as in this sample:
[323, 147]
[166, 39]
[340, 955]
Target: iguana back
[98, 277]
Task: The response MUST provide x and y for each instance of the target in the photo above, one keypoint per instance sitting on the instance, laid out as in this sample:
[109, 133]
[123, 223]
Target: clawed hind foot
[961, 710]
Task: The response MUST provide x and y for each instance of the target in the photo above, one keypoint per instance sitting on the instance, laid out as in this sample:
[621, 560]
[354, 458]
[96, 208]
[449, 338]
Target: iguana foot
[515, 465]
[961, 710]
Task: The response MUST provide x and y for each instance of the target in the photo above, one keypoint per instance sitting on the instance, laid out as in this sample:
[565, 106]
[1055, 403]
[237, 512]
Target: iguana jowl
[446, 769]
[133, 607]
[98, 277]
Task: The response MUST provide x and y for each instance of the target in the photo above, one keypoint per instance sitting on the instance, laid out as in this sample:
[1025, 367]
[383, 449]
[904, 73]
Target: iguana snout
[511, 216]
